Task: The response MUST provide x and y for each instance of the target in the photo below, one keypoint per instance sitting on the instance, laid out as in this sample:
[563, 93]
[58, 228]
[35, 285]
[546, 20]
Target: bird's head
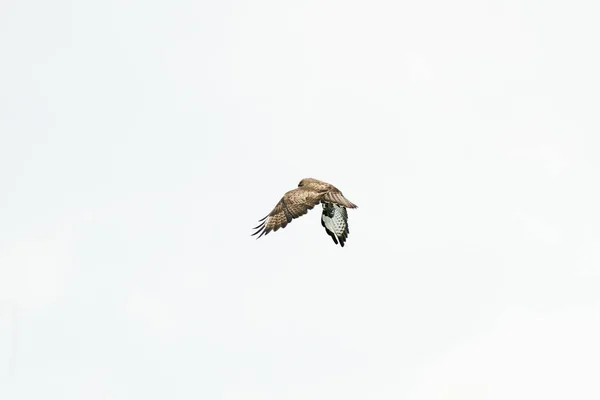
[306, 182]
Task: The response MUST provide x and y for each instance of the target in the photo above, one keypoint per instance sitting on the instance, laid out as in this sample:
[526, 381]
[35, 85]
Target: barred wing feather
[335, 221]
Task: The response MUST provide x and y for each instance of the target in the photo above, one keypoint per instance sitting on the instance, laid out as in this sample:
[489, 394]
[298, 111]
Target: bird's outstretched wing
[335, 221]
[293, 204]
[336, 197]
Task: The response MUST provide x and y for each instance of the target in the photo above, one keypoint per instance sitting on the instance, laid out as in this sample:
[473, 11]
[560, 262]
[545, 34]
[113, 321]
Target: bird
[297, 202]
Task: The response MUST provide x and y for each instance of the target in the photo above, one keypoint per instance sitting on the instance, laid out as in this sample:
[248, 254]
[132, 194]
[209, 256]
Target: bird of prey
[297, 202]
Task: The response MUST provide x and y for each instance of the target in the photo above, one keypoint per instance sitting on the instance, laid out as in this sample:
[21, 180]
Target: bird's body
[297, 202]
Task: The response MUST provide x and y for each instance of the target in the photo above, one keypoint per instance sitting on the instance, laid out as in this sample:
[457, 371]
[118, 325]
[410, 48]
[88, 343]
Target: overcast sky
[140, 141]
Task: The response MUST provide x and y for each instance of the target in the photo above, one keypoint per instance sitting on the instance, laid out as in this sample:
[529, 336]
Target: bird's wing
[336, 197]
[335, 221]
[293, 204]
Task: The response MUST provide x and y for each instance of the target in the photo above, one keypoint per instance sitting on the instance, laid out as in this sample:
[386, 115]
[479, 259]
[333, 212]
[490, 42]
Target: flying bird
[297, 202]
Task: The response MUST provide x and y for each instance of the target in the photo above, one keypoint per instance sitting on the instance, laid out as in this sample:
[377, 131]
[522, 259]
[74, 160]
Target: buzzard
[297, 202]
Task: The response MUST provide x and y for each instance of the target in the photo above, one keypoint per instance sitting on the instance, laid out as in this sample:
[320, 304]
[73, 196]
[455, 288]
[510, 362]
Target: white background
[140, 141]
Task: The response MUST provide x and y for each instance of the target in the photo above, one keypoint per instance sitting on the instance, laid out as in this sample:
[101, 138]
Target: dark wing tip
[260, 228]
[333, 237]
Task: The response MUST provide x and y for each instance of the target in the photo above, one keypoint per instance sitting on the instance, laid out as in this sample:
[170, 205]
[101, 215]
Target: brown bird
[297, 202]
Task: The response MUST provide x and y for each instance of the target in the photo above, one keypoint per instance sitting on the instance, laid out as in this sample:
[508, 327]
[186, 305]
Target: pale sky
[140, 141]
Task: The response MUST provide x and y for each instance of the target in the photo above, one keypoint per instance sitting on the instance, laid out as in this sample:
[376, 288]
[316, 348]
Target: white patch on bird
[329, 223]
[338, 220]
